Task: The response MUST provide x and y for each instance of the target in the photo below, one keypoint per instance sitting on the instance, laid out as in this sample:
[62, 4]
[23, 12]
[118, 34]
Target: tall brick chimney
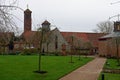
[27, 20]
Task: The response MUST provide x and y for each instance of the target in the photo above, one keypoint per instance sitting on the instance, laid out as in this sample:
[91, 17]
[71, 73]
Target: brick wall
[108, 48]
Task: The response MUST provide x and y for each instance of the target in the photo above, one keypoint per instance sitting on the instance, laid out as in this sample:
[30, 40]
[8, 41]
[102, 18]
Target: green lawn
[112, 65]
[110, 76]
[22, 67]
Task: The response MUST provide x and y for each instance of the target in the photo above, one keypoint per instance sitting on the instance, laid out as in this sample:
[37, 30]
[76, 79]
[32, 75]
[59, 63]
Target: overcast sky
[70, 15]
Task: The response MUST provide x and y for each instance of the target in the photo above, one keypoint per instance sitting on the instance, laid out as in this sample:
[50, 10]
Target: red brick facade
[27, 20]
[109, 45]
[108, 48]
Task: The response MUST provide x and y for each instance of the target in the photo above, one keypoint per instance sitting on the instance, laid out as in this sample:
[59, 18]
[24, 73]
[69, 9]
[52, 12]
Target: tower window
[118, 27]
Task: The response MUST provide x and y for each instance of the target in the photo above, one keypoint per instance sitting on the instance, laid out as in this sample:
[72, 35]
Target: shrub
[57, 53]
[29, 51]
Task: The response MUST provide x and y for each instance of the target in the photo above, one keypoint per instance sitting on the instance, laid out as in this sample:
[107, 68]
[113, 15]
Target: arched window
[56, 42]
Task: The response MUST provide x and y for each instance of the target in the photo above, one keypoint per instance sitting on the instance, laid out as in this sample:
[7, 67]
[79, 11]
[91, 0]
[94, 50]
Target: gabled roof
[32, 36]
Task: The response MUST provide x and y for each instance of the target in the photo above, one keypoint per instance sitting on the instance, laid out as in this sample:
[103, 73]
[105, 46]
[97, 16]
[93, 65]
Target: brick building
[55, 40]
[109, 45]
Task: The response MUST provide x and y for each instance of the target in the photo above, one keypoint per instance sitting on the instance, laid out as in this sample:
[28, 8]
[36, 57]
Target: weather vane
[27, 6]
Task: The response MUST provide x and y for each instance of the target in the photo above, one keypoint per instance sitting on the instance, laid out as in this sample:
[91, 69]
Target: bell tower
[46, 26]
[27, 20]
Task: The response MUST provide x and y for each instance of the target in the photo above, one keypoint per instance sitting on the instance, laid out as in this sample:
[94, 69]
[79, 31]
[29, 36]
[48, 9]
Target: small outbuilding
[109, 45]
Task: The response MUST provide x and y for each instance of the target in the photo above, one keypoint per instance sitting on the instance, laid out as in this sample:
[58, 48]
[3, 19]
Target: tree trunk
[117, 51]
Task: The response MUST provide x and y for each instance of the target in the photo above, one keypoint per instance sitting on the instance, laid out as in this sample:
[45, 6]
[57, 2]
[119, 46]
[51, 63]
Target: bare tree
[7, 24]
[5, 39]
[72, 43]
[42, 38]
[104, 27]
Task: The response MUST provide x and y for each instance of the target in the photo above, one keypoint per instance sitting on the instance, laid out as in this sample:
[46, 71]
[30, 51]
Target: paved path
[90, 71]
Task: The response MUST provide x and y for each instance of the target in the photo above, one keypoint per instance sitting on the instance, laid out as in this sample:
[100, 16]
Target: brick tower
[27, 20]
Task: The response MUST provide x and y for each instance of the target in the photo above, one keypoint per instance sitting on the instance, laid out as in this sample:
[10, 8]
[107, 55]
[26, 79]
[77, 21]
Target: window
[118, 27]
[56, 42]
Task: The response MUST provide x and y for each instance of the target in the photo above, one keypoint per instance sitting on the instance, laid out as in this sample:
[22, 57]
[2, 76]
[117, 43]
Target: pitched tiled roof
[32, 35]
[76, 34]
[29, 35]
[87, 37]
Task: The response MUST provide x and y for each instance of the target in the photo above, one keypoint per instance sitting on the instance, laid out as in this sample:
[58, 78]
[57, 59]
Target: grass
[22, 67]
[110, 76]
[112, 64]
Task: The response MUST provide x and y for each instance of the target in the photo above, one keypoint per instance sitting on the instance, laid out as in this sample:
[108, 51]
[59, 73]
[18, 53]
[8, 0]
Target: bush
[52, 54]
[43, 54]
[29, 51]
[56, 53]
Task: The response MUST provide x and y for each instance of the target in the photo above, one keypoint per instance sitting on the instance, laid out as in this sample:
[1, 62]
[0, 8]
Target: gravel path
[90, 71]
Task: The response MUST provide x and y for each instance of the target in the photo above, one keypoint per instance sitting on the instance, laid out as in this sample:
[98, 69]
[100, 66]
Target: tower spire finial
[27, 6]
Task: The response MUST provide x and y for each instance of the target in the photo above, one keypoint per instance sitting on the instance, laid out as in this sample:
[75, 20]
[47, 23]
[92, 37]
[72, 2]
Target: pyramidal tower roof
[28, 10]
[45, 23]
